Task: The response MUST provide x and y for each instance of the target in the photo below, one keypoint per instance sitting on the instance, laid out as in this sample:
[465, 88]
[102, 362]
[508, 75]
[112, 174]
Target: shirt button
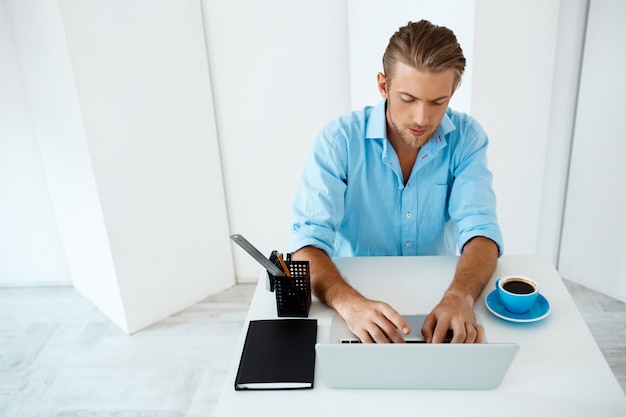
[408, 244]
[408, 214]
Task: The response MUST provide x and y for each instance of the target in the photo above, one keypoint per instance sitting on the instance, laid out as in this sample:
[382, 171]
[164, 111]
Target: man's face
[416, 102]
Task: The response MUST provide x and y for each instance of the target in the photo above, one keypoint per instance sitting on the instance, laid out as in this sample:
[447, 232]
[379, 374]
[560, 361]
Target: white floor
[60, 357]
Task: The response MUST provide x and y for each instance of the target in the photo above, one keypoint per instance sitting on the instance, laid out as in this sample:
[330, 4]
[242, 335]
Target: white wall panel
[279, 72]
[593, 249]
[57, 124]
[567, 67]
[514, 52]
[145, 96]
[30, 247]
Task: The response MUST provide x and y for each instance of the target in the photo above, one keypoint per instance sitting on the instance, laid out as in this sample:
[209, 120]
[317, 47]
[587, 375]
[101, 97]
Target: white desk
[559, 369]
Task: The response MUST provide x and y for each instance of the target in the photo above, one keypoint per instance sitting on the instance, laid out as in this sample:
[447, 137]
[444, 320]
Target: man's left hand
[454, 312]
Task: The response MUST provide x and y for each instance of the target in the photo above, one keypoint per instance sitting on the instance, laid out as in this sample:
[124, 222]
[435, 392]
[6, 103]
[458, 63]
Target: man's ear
[383, 86]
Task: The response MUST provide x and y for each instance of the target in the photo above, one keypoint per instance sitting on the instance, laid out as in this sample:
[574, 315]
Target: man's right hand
[370, 320]
[373, 321]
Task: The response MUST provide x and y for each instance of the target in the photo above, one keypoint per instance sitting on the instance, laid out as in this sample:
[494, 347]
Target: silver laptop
[346, 363]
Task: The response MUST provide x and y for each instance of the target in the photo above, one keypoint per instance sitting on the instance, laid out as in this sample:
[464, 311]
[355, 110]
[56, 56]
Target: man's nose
[421, 114]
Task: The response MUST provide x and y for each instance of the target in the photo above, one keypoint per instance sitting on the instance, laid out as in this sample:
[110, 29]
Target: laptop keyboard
[357, 341]
[352, 341]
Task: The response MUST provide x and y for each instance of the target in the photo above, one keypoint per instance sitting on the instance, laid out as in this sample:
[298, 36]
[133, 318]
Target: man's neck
[406, 154]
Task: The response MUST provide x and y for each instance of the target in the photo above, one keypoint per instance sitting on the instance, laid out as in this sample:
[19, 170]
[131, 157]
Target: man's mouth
[417, 132]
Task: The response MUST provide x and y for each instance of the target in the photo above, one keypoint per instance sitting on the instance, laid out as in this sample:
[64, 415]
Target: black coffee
[518, 287]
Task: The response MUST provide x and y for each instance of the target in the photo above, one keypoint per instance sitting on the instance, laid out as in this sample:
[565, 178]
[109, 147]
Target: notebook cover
[278, 354]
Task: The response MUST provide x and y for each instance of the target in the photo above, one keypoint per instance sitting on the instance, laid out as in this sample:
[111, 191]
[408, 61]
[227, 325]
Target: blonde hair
[425, 47]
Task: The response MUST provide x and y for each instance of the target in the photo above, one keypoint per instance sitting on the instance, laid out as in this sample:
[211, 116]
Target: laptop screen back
[412, 365]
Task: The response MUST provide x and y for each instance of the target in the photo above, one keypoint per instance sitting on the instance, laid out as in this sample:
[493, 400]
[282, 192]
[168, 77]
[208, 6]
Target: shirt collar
[446, 126]
[377, 122]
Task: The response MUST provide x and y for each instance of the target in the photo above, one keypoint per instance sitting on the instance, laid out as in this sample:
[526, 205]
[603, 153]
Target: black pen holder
[293, 294]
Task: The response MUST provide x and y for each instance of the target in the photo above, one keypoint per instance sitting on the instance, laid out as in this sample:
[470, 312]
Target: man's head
[423, 66]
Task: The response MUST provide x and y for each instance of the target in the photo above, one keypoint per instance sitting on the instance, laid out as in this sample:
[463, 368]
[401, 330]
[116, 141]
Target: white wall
[593, 252]
[121, 107]
[567, 67]
[58, 127]
[515, 47]
[142, 79]
[30, 247]
[279, 72]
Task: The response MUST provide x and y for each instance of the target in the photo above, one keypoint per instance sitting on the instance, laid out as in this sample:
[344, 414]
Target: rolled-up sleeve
[472, 204]
[318, 206]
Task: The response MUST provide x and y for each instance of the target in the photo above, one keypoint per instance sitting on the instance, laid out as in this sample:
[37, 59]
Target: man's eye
[407, 99]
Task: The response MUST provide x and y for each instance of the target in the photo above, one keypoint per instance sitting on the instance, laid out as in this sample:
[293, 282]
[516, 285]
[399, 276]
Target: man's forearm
[327, 284]
[474, 268]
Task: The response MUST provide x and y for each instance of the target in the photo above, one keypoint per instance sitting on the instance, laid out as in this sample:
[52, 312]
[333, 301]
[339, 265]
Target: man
[407, 177]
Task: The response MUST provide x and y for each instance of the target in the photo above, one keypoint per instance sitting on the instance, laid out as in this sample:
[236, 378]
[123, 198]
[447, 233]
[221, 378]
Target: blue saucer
[538, 311]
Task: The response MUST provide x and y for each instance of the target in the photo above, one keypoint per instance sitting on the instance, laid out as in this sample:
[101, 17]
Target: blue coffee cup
[518, 293]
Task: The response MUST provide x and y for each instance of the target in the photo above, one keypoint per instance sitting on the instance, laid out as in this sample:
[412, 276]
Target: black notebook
[278, 354]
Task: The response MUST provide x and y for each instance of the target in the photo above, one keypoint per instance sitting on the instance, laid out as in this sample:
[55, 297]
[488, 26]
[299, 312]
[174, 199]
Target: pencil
[282, 263]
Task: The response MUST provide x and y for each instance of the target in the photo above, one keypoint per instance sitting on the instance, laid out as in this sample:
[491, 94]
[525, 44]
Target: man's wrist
[465, 296]
[341, 296]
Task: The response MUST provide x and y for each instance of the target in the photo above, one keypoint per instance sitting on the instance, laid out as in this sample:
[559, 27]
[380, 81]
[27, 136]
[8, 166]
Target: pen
[282, 263]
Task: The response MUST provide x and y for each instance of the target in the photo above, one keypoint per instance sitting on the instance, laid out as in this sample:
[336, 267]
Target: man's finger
[480, 333]
[428, 328]
[397, 325]
[471, 333]
[441, 331]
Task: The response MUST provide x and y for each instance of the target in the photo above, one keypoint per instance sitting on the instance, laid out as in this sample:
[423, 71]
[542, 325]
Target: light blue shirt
[352, 200]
